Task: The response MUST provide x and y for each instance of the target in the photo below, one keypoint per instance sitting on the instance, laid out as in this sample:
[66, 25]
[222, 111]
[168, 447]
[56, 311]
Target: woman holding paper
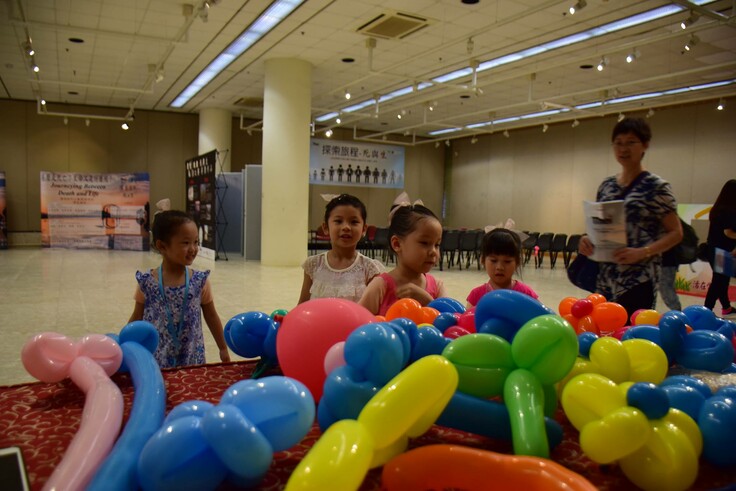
[652, 225]
[722, 235]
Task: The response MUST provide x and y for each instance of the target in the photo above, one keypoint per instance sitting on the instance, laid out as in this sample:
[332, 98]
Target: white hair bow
[509, 225]
[401, 201]
[329, 197]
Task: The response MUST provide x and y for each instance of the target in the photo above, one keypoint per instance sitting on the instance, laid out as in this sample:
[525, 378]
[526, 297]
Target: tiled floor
[78, 292]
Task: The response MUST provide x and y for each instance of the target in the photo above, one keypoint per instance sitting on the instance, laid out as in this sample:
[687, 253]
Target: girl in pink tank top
[415, 235]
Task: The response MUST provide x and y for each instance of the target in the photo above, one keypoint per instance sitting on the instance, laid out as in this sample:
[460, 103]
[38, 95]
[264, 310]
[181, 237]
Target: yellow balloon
[611, 358]
[582, 365]
[648, 361]
[668, 461]
[410, 402]
[425, 325]
[382, 455]
[616, 435]
[648, 317]
[687, 425]
[338, 460]
[589, 397]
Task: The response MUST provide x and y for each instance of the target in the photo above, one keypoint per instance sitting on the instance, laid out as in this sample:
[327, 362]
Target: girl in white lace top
[341, 272]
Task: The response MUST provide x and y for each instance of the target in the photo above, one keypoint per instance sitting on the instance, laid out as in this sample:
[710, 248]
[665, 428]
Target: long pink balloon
[52, 357]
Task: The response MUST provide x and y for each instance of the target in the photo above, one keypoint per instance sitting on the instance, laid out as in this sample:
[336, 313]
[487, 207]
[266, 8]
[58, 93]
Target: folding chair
[559, 242]
[449, 246]
[527, 247]
[544, 243]
[572, 246]
[468, 247]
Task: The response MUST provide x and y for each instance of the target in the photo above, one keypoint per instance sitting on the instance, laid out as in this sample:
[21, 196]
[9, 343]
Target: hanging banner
[95, 211]
[3, 214]
[201, 192]
[347, 163]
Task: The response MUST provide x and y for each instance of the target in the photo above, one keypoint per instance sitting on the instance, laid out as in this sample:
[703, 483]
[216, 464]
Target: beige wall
[540, 179]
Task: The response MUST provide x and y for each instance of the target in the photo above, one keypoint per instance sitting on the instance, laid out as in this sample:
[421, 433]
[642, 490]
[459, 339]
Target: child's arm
[410, 290]
[140, 303]
[215, 324]
[373, 295]
[441, 290]
[306, 286]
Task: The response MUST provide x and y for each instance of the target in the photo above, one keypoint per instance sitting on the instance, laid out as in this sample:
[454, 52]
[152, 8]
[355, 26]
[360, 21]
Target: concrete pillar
[215, 133]
[286, 117]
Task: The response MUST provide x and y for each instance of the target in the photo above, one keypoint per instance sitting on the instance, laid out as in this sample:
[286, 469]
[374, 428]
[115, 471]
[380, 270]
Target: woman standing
[722, 234]
[652, 225]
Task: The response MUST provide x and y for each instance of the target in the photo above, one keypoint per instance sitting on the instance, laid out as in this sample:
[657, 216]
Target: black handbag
[583, 273]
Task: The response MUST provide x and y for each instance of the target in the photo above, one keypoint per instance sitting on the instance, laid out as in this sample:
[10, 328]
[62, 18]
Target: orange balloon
[609, 316]
[405, 307]
[688, 329]
[572, 320]
[587, 324]
[429, 315]
[456, 467]
[649, 317]
[565, 305]
[380, 318]
[596, 298]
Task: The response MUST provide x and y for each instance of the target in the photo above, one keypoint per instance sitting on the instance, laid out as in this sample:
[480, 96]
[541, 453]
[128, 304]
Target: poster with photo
[95, 211]
[348, 163]
[3, 214]
[201, 193]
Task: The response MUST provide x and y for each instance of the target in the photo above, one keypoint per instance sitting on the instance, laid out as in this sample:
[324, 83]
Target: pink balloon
[467, 320]
[335, 357]
[309, 330]
[635, 314]
[51, 357]
[619, 333]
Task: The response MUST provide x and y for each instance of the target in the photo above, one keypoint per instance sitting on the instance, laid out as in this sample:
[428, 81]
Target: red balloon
[309, 330]
[609, 316]
[454, 332]
[581, 308]
[467, 321]
[619, 333]
[565, 305]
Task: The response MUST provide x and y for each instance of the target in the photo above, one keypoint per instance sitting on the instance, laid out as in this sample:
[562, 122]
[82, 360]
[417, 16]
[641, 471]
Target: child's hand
[410, 290]
[224, 355]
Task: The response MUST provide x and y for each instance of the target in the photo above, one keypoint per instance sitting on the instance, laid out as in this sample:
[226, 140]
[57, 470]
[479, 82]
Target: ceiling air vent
[249, 102]
[394, 25]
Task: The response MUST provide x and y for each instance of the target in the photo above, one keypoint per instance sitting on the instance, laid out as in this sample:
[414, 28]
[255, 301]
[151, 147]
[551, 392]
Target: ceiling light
[474, 140]
[66, 121]
[578, 6]
[125, 126]
[159, 75]
[28, 48]
[621, 117]
[86, 122]
[43, 102]
[347, 94]
[506, 133]
[35, 68]
[694, 16]
[633, 56]
[447, 143]
[398, 116]
[575, 123]
[268, 20]
[338, 120]
[436, 144]
[650, 113]
[602, 64]
[545, 127]
[721, 105]
[691, 42]
[328, 133]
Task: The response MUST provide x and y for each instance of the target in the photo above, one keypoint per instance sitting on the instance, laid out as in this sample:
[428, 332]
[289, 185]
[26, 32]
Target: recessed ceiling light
[76, 40]
[348, 60]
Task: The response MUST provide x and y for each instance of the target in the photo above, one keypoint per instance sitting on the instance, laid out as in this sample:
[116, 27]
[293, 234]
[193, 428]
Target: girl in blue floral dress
[172, 296]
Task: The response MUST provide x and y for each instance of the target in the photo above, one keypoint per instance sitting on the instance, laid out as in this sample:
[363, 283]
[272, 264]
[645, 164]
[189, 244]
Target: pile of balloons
[593, 314]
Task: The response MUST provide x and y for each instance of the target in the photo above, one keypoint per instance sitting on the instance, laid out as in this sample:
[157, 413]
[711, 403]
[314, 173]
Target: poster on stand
[95, 211]
[350, 163]
[3, 214]
[201, 195]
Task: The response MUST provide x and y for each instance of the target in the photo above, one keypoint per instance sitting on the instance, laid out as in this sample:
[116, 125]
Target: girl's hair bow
[401, 201]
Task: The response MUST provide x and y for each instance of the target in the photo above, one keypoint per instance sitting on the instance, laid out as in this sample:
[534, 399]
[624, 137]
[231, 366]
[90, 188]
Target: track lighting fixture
[506, 133]
[43, 102]
[650, 113]
[28, 48]
[694, 16]
[545, 127]
[633, 56]
[125, 126]
[691, 42]
[580, 5]
[575, 123]
[35, 68]
[621, 117]
[474, 140]
[328, 133]
[338, 120]
[721, 105]
[204, 12]
[436, 144]
[602, 64]
[347, 94]
[398, 116]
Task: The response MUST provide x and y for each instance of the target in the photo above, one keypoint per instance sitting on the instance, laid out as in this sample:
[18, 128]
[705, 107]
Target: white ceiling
[122, 38]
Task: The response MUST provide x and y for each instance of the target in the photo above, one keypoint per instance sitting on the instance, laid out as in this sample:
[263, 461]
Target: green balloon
[547, 347]
[281, 312]
[524, 399]
[483, 361]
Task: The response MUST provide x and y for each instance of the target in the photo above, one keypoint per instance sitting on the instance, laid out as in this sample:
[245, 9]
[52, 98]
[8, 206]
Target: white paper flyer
[605, 224]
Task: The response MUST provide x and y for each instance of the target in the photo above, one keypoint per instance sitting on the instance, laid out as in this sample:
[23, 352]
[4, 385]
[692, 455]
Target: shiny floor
[77, 292]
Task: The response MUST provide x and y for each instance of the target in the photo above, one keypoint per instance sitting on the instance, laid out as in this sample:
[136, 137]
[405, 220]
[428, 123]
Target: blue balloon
[685, 398]
[717, 422]
[376, 350]
[727, 328]
[502, 328]
[408, 326]
[446, 304]
[706, 350]
[345, 394]
[137, 340]
[515, 308]
[691, 382]
[444, 321]
[245, 334]
[430, 341]
[405, 341]
[649, 398]
[585, 341]
[700, 317]
[673, 330]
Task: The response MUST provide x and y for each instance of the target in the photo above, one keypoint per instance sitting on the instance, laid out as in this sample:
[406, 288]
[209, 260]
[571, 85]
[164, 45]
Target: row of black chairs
[538, 245]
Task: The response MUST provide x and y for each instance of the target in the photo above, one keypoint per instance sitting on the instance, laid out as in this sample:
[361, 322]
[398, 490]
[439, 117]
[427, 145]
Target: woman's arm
[671, 237]
[731, 234]
[306, 286]
[215, 325]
